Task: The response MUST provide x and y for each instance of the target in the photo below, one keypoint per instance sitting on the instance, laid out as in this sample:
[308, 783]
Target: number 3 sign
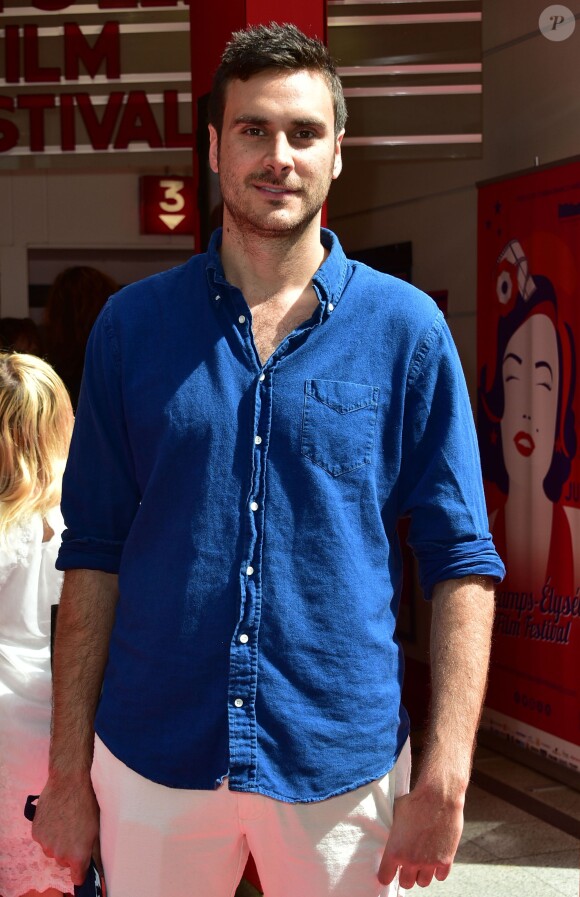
[166, 205]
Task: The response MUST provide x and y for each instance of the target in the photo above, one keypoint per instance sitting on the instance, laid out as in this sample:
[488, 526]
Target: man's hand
[66, 825]
[422, 841]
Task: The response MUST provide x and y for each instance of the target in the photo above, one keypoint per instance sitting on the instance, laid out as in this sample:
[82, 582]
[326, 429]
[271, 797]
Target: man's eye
[253, 132]
[305, 135]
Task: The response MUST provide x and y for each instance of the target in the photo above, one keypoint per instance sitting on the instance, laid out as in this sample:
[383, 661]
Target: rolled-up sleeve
[100, 493]
[440, 485]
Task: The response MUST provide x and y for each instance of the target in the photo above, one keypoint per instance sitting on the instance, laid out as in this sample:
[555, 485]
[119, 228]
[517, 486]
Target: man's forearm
[85, 620]
[460, 645]
[66, 824]
[428, 821]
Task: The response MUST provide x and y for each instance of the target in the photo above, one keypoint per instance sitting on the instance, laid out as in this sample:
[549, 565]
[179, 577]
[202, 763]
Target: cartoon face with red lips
[530, 373]
[527, 429]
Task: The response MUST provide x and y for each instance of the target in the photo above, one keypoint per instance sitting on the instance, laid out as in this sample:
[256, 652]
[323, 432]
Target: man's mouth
[524, 443]
[274, 190]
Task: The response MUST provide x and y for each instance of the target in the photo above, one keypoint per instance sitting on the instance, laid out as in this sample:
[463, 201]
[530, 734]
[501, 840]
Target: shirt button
[244, 638]
[238, 702]
[258, 440]
[254, 506]
[217, 297]
[330, 306]
[261, 378]
[242, 319]
[249, 571]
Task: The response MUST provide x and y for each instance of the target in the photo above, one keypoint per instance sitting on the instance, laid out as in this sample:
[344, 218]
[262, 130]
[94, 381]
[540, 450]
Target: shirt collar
[329, 279]
[214, 268]
[331, 275]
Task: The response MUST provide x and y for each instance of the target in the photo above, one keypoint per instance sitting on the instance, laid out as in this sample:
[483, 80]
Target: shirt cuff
[438, 563]
[89, 554]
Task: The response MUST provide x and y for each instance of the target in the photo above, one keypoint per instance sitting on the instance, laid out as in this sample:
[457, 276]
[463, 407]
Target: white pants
[170, 842]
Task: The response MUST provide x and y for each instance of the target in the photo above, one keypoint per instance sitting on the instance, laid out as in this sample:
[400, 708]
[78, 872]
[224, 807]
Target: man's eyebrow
[512, 355]
[309, 122]
[248, 119]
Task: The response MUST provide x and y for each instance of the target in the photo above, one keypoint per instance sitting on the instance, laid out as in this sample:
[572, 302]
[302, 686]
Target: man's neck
[265, 267]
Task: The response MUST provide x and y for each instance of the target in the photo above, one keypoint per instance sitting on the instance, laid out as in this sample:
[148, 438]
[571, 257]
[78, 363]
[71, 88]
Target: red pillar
[211, 24]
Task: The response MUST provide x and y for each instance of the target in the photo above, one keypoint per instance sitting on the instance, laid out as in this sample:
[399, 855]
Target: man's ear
[337, 164]
[213, 149]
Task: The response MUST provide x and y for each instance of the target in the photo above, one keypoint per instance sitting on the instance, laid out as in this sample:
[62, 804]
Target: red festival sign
[74, 60]
[528, 413]
[60, 6]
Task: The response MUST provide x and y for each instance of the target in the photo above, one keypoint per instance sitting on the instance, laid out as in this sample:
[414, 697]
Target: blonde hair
[35, 428]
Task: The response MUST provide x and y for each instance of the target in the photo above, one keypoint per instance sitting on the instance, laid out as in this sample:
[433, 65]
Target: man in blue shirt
[251, 427]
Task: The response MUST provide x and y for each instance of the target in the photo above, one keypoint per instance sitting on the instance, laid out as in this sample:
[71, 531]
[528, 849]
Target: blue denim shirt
[250, 511]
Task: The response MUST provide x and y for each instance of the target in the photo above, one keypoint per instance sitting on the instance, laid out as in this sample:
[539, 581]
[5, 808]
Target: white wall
[81, 218]
[531, 109]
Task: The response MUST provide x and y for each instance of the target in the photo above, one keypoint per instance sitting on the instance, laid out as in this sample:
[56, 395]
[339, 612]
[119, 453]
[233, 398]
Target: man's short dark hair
[273, 46]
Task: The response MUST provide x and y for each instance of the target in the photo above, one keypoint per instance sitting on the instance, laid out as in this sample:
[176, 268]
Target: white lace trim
[15, 550]
[23, 865]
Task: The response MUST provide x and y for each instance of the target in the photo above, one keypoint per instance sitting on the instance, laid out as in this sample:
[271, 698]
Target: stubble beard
[249, 221]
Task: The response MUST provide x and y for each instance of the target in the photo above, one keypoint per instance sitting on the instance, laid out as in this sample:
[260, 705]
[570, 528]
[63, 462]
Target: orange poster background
[528, 412]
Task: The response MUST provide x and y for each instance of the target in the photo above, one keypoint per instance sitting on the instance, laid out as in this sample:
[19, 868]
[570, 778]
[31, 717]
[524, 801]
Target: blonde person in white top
[35, 426]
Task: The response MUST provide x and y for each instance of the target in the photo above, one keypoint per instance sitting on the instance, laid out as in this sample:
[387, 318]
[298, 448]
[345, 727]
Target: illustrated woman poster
[528, 423]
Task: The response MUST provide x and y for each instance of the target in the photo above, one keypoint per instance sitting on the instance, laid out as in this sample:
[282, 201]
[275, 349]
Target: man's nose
[279, 156]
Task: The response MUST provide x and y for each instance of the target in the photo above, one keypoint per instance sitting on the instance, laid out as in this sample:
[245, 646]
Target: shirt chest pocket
[338, 424]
